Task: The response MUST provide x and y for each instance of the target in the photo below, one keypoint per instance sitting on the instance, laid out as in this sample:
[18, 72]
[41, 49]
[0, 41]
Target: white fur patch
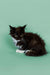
[15, 41]
[20, 46]
[19, 51]
[27, 51]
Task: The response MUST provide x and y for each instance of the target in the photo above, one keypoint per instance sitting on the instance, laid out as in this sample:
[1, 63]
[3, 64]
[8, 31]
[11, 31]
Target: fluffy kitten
[32, 44]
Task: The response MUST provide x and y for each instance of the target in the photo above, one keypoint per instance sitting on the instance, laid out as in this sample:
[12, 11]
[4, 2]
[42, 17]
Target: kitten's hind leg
[30, 53]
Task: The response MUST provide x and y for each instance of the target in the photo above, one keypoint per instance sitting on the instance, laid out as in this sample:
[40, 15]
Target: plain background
[35, 13]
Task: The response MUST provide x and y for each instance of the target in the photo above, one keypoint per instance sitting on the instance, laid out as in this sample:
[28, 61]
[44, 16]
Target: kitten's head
[17, 32]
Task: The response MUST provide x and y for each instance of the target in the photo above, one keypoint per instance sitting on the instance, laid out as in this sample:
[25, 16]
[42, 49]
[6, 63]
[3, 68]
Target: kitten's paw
[30, 53]
[19, 51]
[27, 51]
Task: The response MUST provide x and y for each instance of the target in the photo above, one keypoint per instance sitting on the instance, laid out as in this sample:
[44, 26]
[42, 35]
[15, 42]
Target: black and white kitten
[29, 43]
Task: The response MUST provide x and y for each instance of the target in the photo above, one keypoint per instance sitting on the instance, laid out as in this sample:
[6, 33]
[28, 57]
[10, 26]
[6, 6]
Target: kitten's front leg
[19, 51]
[21, 45]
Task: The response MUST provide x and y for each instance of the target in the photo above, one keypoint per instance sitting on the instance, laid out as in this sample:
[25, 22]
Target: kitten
[31, 43]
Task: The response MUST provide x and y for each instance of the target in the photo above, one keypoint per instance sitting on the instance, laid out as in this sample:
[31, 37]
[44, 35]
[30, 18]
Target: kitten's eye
[16, 36]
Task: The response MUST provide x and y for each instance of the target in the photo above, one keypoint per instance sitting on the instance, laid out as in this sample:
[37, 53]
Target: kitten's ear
[11, 27]
[24, 26]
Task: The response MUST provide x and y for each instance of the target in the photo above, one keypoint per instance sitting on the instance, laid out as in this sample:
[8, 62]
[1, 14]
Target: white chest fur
[15, 41]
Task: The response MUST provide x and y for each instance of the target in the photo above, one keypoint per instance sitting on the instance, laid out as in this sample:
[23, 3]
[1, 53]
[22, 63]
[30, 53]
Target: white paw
[19, 51]
[27, 51]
